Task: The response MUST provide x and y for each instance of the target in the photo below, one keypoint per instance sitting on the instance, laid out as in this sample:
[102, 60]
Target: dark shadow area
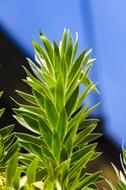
[11, 75]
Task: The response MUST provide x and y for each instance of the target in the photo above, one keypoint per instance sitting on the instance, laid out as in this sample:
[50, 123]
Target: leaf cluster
[57, 148]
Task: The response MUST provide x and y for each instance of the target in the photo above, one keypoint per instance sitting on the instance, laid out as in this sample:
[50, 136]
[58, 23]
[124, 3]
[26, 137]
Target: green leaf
[31, 172]
[84, 133]
[72, 87]
[26, 158]
[30, 138]
[30, 147]
[11, 151]
[43, 54]
[69, 50]
[90, 138]
[75, 181]
[1, 146]
[57, 60]
[49, 81]
[29, 123]
[49, 183]
[45, 132]
[63, 43]
[79, 164]
[64, 70]
[16, 180]
[85, 73]
[48, 46]
[29, 110]
[8, 140]
[1, 111]
[59, 92]
[39, 98]
[48, 154]
[62, 170]
[75, 69]
[88, 122]
[64, 154]
[41, 85]
[62, 122]
[88, 112]
[35, 86]
[76, 119]
[81, 152]
[28, 97]
[36, 70]
[56, 146]
[89, 180]
[87, 82]
[1, 93]
[70, 105]
[75, 47]
[70, 139]
[10, 171]
[96, 155]
[6, 130]
[83, 96]
[72, 128]
[39, 185]
[51, 113]
[20, 111]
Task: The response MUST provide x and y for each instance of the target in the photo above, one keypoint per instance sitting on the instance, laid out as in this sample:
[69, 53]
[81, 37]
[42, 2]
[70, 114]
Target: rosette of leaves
[121, 184]
[60, 134]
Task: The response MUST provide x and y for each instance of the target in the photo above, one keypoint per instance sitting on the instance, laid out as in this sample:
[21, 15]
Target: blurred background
[101, 26]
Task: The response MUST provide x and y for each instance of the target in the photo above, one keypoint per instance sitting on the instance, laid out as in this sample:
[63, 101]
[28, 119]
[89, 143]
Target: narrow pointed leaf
[1, 111]
[6, 130]
[75, 47]
[83, 134]
[89, 180]
[36, 70]
[63, 43]
[16, 180]
[31, 122]
[40, 51]
[48, 46]
[62, 121]
[11, 151]
[51, 113]
[69, 50]
[31, 172]
[88, 112]
[28, 97]
[59, 92]
[11, 169]
[26, 125]
[81, 163]
[88, 82]
[39, 98]
[30, 138]
[81, 152]
[57, 60]
[1, 93]
[56, 146]
[70, 105]
[45, 132]
[75, 67]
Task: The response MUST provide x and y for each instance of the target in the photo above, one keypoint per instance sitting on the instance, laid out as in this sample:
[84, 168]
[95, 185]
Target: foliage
[121, 184]
[59, 142]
